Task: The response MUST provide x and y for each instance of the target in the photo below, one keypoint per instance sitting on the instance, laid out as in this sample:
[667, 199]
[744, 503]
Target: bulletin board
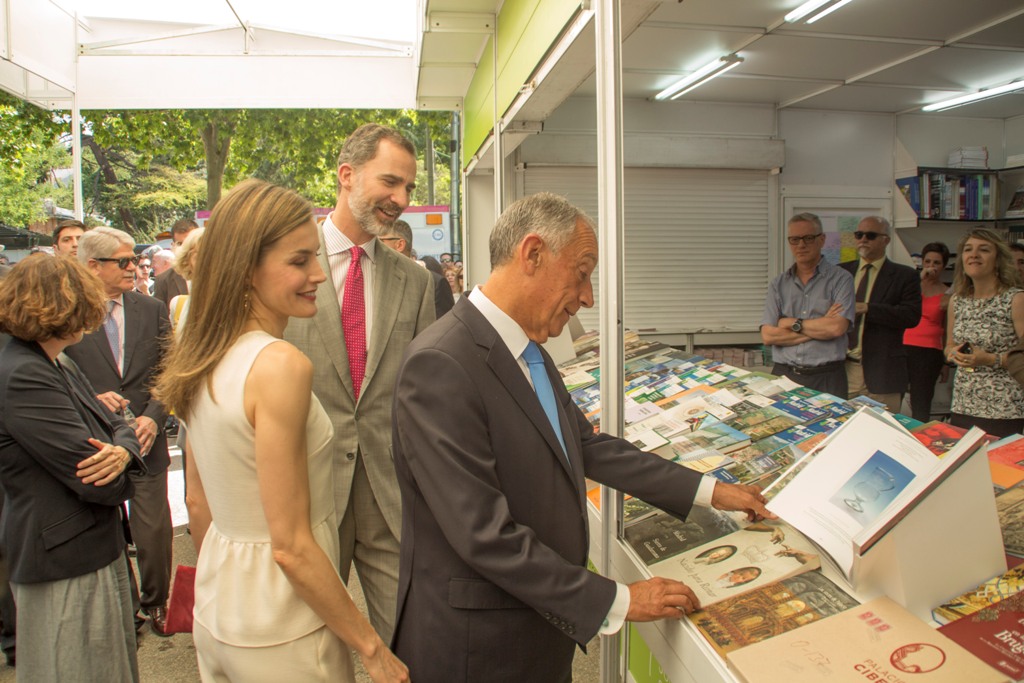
[839, 218]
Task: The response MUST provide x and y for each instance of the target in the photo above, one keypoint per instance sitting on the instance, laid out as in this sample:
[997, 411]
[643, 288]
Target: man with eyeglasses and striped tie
[808, 310]
[120, 360]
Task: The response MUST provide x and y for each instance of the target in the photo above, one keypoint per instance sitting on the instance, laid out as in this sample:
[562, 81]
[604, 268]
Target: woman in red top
[924, 342]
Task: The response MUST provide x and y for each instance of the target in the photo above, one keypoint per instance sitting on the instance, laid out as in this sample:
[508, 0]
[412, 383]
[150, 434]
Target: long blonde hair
[243, 226]
[1006, 272]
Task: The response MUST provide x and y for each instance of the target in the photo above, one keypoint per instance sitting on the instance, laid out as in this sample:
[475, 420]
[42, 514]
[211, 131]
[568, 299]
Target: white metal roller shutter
[696, 244]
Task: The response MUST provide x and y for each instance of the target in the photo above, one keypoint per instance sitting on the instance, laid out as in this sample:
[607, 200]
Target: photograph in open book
[753, 556]
[769, 611]
[870, 464]
[872, 488]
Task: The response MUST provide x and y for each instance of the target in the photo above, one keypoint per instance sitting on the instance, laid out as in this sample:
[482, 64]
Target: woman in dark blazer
[62, 462]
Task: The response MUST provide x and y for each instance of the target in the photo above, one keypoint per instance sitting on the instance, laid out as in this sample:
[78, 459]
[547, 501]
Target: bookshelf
[936, 204]
[948, 195]
[1012, 180]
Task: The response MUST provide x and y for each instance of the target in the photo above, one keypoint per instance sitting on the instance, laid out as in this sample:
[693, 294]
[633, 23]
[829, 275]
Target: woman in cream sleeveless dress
[269, 604]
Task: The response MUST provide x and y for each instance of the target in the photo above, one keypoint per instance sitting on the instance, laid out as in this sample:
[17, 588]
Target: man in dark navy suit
[120, 360]
[492, 455]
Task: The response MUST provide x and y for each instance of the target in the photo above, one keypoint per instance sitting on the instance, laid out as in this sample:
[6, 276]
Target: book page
[753, 556]
[844, 489]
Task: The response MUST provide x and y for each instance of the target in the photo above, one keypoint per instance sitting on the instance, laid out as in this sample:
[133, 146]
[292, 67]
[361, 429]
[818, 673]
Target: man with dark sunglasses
[807, 312]
[120, 360]
[888, 301]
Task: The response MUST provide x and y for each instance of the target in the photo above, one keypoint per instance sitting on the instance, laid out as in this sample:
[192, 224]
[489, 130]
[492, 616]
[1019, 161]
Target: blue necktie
[113, 334]
[542, 385]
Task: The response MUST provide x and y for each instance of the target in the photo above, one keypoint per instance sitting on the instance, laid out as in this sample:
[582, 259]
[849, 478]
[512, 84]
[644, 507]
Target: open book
[860, 482]
[751, 557]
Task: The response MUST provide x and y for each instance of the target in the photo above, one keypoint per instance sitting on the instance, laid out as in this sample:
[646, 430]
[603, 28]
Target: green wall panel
[642, 665]
[526, 31]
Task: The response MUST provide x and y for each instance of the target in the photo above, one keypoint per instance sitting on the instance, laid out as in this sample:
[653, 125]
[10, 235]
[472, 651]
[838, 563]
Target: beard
[365, 212]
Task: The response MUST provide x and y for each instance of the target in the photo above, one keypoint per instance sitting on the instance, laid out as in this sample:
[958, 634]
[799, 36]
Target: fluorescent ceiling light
[813, 6]
[828, 10]
[974, 97]
[700, 77]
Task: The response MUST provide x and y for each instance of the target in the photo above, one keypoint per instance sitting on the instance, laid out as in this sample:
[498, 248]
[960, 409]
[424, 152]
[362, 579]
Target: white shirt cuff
[617, 614]
[620, 605]
[705, 491]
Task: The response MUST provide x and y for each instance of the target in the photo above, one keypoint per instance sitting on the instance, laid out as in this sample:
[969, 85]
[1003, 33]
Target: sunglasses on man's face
[869, 236]
[122, 262]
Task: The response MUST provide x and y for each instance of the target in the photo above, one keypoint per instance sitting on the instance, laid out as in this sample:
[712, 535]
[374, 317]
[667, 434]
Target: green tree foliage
[30, 148]
[144, 169]
[297, 148]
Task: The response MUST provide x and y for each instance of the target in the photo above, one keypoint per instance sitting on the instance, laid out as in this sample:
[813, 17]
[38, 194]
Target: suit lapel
[388, 292]
[328, 320]
[132, 329]
[881, 283]
[102, 347]
[512, 377]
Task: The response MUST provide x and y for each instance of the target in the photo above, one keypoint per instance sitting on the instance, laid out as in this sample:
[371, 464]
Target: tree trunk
[217, 144]
[428, 162]
[109, 178]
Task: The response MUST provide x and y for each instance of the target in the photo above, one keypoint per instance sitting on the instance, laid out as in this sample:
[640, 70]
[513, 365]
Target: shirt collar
[337, 242]
[508, 329]
[817, 267]
[877, 264]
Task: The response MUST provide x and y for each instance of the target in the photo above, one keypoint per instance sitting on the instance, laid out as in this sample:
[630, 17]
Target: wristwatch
[798, 325]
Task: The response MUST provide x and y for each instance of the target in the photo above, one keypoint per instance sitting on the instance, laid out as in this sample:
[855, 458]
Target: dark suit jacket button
[571, 630]
[350, 456]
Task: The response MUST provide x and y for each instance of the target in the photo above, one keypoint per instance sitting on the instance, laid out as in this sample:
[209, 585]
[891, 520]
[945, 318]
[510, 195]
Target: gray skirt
[79, 629]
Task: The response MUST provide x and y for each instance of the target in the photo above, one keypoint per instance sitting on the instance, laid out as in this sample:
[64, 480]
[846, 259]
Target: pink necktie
[353, 320]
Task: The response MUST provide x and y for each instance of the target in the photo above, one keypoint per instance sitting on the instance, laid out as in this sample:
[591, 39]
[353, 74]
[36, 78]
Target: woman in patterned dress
[986, 318]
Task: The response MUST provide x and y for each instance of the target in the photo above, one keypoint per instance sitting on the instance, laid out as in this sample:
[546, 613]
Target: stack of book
[969, 157]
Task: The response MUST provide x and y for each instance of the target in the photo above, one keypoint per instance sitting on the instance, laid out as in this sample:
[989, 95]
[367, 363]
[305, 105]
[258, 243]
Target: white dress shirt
[337, 245]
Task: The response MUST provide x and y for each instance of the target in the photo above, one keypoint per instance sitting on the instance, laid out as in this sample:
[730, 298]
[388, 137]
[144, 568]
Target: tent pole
[608, 38]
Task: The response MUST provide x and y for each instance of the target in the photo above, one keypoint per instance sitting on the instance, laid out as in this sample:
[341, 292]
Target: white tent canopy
[111, 54]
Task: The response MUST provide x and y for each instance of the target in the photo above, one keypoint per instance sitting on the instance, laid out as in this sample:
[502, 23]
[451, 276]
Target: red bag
[183, 599]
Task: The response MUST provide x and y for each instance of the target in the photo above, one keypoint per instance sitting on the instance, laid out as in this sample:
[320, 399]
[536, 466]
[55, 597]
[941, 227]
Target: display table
[680, 650]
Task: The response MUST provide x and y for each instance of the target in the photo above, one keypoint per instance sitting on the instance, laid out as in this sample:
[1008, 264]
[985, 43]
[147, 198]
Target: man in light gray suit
[369, 309]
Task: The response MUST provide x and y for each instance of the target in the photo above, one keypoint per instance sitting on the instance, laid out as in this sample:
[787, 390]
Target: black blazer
[894, 306]
[146, 330]
[493, 578]
[55, 527]
[443, 297]
[168, 285]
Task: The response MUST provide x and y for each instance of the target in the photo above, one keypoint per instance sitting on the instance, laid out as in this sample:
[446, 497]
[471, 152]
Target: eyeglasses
[122, 262]
[869, 236]
[806, 239]
[389, 239]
